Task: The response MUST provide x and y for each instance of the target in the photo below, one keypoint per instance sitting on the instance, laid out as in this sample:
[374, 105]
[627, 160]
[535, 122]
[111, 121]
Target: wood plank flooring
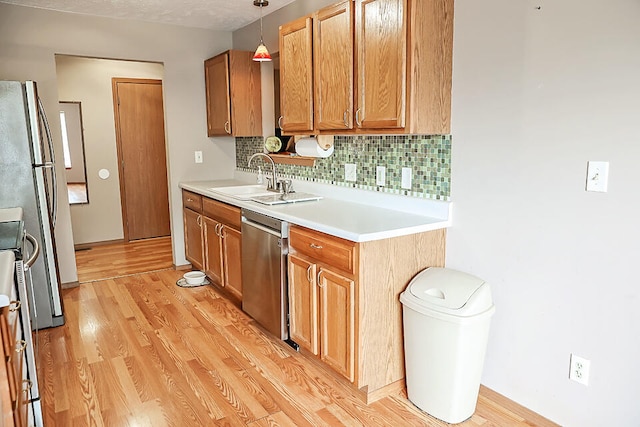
[140, 351]
[121, 259]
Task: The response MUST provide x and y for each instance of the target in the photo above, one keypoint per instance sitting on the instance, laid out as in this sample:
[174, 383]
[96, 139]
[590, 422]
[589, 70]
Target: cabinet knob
[21, 346]
[15, 305]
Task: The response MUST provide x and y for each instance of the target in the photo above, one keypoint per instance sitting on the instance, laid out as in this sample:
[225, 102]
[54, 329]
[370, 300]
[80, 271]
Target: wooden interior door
[381, 34]
[333, 67]
[139, 116]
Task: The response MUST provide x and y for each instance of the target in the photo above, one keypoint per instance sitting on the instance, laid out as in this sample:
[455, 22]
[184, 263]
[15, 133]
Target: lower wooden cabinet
[223, 251]
[322, 313]
[14, 386]
[344, 302]
[213, 241]
[193, 238]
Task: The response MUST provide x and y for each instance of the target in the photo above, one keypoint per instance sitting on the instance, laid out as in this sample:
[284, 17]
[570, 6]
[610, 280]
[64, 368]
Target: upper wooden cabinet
[296, 76]
[381, 72]
[234, 105]
[379, 66]
[333, 56]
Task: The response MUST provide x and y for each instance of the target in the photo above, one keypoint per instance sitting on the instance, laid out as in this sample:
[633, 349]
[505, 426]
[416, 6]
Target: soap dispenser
[259, 179]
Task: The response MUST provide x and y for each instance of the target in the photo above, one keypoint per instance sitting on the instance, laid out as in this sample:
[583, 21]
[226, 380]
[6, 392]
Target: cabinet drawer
[333, 251]
[192, 201]
[226, 214]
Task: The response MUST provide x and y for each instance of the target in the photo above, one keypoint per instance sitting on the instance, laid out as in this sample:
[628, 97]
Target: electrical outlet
[381, 177]
[198, 156]
[350, 172]
[579, 369]
[597, 176]
[406, 178]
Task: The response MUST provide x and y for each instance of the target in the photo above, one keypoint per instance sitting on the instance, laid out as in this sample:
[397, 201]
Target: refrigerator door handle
[36, 250]
[52, 162]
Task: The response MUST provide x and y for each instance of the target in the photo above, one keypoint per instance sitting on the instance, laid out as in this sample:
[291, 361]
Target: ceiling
[223, 15]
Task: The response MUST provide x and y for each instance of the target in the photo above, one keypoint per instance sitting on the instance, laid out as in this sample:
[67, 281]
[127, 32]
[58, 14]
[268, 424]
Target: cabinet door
[246, 94]
[296, 76]
[213, 250]
[232, 259]
[303, 303]
[333, 66]
[337, 321]
[381, 37]
[193, 238]
[216, 77]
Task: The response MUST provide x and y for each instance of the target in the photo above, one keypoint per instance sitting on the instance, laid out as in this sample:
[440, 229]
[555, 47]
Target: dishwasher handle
[261, 227]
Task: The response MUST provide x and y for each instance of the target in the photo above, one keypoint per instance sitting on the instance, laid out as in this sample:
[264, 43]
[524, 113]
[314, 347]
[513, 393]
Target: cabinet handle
[216, 231]
[28, 385]
[320, 285]
[309, 278]
[227, 127]
[221, 231]
[199, 221]
[16, 305]
[190, 199]
[358, 118]
[21, 346]
[280, 122]
[314, 246]
[344, 118]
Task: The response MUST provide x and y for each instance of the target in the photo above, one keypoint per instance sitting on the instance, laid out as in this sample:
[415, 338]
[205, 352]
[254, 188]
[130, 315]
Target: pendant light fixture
[262, 54]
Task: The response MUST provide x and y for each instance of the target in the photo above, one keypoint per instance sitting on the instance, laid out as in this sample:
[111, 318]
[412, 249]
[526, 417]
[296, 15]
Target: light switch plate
[350, 172]
[198, 156]
[381, 177]
[597, 176]
[406, 178]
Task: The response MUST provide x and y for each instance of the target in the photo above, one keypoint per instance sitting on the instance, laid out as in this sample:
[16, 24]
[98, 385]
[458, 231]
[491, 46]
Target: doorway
[142, 161]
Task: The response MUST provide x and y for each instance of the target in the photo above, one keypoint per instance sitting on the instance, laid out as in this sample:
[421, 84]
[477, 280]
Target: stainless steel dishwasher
[264, 271]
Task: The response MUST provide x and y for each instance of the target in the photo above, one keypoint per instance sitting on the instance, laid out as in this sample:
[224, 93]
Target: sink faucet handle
[286, 185]
[269, 182]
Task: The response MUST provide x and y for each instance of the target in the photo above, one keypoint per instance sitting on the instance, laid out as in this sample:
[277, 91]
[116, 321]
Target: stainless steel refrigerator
[28, 180]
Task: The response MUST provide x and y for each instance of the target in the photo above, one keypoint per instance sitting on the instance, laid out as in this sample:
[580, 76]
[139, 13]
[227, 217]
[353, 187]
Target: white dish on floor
[194, 277]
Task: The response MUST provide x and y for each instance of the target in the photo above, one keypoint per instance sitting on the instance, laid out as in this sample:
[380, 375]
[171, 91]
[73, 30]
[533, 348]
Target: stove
[12, 237]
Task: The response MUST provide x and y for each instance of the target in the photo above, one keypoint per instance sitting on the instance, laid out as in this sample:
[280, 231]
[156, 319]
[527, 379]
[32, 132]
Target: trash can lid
[448, 291]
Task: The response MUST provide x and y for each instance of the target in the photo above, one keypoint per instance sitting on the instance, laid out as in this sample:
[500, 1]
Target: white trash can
[446, 317]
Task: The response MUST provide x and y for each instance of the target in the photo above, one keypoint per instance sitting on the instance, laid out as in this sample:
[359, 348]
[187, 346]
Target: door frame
[116, 113]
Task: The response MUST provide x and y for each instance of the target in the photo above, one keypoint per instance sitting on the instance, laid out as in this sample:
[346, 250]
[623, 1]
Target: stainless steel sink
[280, 199]
[243, 192]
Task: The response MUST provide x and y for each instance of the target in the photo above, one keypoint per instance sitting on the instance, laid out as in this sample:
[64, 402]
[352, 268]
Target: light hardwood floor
[105, 261]
[140, 351]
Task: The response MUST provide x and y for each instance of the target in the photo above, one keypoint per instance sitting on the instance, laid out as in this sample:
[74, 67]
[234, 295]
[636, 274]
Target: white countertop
[7, 260]
[357, 222]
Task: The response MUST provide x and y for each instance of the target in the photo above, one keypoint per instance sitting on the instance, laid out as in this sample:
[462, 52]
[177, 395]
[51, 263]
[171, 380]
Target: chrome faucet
[272, 181]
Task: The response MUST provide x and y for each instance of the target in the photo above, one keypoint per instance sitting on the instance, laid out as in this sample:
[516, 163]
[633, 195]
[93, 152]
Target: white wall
[536, 94]
[29, 39]
[89, 80]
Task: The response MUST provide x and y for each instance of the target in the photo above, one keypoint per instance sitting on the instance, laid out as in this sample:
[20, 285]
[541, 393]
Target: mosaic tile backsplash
[429, 157]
